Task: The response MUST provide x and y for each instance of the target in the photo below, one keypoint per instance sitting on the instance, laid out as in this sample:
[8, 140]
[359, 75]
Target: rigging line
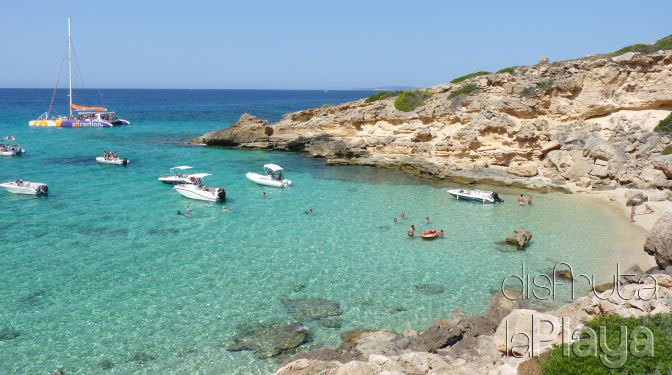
[81, 77]
[58, 80]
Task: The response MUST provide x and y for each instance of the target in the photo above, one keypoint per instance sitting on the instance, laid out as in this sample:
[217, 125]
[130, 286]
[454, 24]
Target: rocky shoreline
[584, 124]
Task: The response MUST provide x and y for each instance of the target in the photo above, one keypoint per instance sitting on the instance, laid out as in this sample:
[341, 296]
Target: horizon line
[171, 88]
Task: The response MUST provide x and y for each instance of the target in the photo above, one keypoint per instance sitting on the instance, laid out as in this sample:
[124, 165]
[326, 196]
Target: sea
[104, 277]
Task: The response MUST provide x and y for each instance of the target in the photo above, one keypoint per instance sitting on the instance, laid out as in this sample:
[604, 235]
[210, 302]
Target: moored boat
[10, 149]
[475, 195]
[79, 116]
[200, 191]
[25, 187]
[113, 161]
[272, 177]
[177, 177]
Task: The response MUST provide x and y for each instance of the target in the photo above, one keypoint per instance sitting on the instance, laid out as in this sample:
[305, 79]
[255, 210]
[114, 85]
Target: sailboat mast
[69, 68]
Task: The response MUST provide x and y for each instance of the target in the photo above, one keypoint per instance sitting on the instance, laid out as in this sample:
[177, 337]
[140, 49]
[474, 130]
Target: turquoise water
[104, 268]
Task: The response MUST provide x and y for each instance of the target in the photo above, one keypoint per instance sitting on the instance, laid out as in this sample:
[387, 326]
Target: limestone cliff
[583, 123]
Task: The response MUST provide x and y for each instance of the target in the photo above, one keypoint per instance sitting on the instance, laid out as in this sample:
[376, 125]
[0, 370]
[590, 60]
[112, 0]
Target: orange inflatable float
[430, 235]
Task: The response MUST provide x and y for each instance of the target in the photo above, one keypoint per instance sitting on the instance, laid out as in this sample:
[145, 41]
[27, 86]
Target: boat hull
[470, 196]
[27, 189]
[266, 180]
[174, 180]
[193, 192]
[76, 123]
[102, 160]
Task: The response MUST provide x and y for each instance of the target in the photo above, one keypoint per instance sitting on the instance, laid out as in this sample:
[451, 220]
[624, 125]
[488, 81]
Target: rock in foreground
[659, 241]
[269, 339]
[520, 238]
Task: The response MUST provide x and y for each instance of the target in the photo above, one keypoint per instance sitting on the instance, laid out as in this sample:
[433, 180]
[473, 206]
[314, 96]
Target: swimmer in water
[521, 200]
[309, 211]
[411, 231]
[183, 214]
[427, 220]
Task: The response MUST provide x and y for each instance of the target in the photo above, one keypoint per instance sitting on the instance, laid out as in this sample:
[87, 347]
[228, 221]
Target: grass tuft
[464, 90]
[468, 76]
[410, 100]
[510, 70]
[665, 125]
[382, 95]
[667, 150]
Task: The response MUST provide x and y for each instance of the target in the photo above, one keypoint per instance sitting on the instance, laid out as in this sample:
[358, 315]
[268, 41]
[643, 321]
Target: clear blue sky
[307, 44]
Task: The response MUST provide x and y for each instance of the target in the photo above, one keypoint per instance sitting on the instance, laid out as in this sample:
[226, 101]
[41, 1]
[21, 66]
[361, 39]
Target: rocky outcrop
[482, 350]
[585, 123]
[520, 238]
[659, 241]
[269, 339]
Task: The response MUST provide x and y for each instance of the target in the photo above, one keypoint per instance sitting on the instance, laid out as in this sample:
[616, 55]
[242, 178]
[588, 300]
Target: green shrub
[410, 100]
[667, 150]
[665, 125]
[661, 44]
[660, 363]
[464, 78]
[466, 90]
[510, 70]
[382, 95]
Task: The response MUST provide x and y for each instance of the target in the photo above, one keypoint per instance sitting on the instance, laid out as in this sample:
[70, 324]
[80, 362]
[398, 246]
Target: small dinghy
[272, 177]
[10, 149]
[475, 195]
[430, 234]
[24, 187]
[113, 161]
[178, 177]
[201, 192]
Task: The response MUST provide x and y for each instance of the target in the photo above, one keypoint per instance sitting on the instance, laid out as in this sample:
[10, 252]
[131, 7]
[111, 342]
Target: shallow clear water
[104, 268]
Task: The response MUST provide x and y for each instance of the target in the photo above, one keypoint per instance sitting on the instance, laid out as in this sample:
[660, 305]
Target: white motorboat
[177, 177]
[10, 149]
[201, 192]
[475, 195]
[272, 177]
[113, 161]
[24, 187]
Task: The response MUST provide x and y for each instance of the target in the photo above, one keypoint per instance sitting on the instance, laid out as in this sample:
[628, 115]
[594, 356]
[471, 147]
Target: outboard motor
[496, 197]
[43, 189]
[221, 193]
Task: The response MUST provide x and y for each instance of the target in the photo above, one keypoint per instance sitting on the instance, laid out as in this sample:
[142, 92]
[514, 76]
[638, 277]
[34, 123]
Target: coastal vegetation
[468, 76]
[382, 95]
[667, 150]
[556, 363]
[665, 125]
[661, 44]
[510, 70]
[464, 90]
[410, 100]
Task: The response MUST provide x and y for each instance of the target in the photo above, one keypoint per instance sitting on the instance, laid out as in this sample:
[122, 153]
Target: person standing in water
[411, 231]
[529, 200]
[521, 200]
[427, 220]
[402, 216]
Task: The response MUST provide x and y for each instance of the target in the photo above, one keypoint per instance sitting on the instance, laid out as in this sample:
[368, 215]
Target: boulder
[422, 135]
[604, 150]
[548, 147]
[516, 330]
[664, 163]
[560, 159]
[423, 363]
[520, 237]
[523, 169]
[440, 335]
[306, 367]
[578, 170]
[653, 177]
[306, 309]
[269, 339]
[600, 169]
[659, 241]
[635, 198]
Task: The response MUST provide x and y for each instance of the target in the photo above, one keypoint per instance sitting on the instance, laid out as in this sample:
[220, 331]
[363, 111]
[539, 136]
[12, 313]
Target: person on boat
[411, 231]
[427, 222]
[521, 200]
[529, 200]
[309, 211]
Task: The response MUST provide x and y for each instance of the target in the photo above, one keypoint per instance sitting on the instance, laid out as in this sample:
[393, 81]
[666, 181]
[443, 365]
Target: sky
[307, 44]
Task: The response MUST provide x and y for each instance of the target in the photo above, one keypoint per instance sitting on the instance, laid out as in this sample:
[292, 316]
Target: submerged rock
[430, 289]
[142, 357]
[332, 322]
[520, 238]
[8, 334]
[34, 297]
[269, 339]
[312, 308]
[106, 364]
[659, 241]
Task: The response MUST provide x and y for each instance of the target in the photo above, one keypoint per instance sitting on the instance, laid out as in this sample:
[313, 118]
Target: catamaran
[80, 116]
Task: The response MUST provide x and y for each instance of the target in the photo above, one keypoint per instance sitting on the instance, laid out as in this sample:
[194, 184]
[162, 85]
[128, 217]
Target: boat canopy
[200, 175]
[76, 107]
[273, 167]
[182, 167]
